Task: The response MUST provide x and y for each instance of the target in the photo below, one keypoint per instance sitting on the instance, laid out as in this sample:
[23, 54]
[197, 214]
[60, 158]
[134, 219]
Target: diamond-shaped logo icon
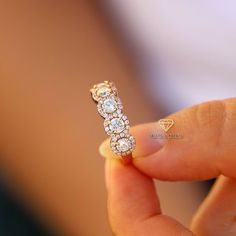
[166, 124]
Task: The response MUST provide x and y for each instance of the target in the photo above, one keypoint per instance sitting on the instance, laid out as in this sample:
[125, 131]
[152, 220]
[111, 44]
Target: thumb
[206, 147]
[133, 204]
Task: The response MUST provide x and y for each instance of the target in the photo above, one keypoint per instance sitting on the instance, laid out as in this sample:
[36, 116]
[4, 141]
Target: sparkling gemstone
[103, 90]
[109, 105]
[116, 125]
[123, 145]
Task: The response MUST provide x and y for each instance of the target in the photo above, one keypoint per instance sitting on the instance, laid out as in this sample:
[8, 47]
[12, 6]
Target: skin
[51, 54]
[206, 151]
[45, 69]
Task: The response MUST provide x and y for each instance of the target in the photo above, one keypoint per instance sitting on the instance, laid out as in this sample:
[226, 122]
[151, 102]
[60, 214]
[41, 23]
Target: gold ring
[116, 124]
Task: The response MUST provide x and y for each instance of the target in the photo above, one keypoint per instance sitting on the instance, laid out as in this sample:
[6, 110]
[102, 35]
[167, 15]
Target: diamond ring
[116, 124]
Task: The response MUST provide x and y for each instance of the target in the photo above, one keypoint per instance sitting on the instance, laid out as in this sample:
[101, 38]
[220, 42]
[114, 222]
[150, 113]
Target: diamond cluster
[116, 124]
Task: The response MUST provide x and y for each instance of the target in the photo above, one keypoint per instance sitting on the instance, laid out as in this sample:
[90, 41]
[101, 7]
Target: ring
[116, 124]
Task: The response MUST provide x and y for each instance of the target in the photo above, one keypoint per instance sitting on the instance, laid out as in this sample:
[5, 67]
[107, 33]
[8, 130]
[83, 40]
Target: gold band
[116, 124]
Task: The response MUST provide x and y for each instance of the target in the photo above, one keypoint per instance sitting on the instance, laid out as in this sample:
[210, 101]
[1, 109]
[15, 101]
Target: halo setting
[116, 124]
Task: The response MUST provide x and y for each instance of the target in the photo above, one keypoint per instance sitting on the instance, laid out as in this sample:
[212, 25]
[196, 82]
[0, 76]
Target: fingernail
[104, 148]
[148, 141]
[107, 172]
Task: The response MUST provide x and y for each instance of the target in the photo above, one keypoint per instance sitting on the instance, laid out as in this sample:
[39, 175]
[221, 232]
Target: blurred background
[163, 56]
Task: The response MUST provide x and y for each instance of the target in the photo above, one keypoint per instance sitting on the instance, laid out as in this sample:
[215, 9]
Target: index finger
[206, 150]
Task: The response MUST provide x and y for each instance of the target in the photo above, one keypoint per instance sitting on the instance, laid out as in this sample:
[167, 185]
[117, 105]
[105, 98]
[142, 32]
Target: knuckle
[211, 120]
[217, 121]
[211, 114]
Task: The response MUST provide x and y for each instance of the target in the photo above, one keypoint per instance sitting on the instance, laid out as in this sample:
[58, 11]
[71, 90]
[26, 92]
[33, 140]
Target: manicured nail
[149, 139]
[104, 149]
[107, 172]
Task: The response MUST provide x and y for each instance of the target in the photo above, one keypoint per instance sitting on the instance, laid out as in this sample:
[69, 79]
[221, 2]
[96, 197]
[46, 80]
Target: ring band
[116, 124]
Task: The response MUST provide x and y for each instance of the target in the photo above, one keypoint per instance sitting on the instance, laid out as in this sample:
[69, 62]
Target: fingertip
[105, 150]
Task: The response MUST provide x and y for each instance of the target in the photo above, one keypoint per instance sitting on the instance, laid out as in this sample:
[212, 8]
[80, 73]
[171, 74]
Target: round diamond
[123, 145]
[116, 125]
[103, 90]
[126, 122]
[109, 105]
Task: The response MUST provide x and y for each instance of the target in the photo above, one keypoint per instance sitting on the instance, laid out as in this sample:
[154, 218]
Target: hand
[207, 150]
